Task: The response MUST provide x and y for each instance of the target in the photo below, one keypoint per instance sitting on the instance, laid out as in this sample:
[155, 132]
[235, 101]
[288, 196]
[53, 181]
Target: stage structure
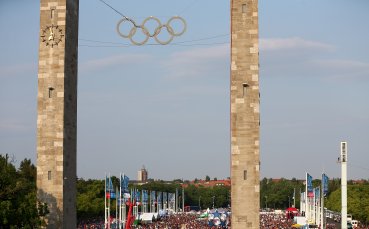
[57, 107]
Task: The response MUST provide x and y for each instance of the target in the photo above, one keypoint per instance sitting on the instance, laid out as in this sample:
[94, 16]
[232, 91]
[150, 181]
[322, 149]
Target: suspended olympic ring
[156, 31]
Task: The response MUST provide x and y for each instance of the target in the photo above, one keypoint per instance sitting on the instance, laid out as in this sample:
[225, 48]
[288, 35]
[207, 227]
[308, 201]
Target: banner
[124, 183]
[165, 200]
[110, 193]
[325, 180]
[159, 197]
[153, 197]
[309, 185]
[138, 196]
[145, 197]
[317, 195]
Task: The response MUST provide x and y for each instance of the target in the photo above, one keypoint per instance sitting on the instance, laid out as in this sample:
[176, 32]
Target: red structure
[130, 217]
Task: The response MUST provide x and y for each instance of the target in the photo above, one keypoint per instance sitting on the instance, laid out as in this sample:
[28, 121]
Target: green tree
[357, 201]
[90, 198]
[19, 207]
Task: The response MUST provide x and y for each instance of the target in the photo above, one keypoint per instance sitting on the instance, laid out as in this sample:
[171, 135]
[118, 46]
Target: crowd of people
[177, 221]
[192, 221]
[185, 221]
[275, 221]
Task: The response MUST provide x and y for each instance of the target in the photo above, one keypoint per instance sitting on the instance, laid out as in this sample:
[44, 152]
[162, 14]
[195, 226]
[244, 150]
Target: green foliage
[357, 201]
[207, 178]
[278, 194]
[19, 207]
[90, 198]
[203, 196]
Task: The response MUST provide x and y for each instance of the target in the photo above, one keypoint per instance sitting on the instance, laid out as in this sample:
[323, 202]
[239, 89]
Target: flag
[153, 197]
[325, 180]
[109, 188]
[317, 195]
[309, 185]
[138, 197]
[124, 183]
[171, 198]
[112, 195]
[159, 197]
[145, 196]
[165, 197]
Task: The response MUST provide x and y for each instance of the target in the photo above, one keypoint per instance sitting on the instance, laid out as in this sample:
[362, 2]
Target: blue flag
[159, 197]
[109, 188]
[325, 180]
[108, 184]
[317, 195]
[124, 184]
[138, 199]
[144, 196]
[165, 197]
[153, 197]
[309, 185]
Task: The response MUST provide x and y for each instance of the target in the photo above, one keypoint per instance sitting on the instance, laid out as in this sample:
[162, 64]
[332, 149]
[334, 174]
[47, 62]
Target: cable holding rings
[147, 34]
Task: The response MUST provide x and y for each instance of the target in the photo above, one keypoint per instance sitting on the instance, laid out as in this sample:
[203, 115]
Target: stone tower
[57, 111]
[245, 114]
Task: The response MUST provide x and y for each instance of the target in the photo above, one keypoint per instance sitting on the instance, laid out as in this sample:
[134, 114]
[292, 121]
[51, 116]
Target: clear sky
[167, 107]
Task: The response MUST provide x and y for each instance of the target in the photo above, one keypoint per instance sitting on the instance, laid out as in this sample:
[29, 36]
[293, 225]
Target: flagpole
[109, 202]
[116, 206]
[322, 203]
[120, 201]
[105, 203]
[183, 198]
[124, 203]
[176, 200]
[306, 200]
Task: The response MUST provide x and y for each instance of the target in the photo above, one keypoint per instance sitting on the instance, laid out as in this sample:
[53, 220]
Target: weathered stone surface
[245, 115]
[57, 111]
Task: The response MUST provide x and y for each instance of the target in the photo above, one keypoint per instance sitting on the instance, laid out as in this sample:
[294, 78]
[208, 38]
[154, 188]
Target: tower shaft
[57, 111]
[245, 115]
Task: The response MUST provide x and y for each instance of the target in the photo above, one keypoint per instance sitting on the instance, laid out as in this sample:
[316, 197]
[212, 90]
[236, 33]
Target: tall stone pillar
[245, 114]
[57, 111]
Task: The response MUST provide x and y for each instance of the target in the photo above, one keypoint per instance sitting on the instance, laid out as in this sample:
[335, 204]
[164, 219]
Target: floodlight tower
[343, 161]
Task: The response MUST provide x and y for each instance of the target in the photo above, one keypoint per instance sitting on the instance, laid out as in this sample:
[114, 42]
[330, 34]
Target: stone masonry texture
[57, 111]
[245, 114]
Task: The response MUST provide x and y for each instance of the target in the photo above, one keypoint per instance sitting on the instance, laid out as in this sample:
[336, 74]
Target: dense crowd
[187, 221]
[274, 221]
[191, 221]
[97, 223]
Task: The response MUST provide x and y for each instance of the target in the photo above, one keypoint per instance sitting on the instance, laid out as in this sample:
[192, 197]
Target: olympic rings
[156, 31]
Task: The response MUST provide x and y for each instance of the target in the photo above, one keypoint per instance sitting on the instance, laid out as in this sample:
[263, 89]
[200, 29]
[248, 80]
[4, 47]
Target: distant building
[142, 175]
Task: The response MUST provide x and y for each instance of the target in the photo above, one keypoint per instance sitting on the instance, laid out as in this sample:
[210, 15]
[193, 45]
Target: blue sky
[167, 107]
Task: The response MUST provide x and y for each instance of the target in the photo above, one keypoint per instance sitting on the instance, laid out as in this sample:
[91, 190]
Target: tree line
[19, 206]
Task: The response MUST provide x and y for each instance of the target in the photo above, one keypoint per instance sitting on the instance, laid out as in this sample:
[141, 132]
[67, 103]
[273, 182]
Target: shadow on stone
[54, 218]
